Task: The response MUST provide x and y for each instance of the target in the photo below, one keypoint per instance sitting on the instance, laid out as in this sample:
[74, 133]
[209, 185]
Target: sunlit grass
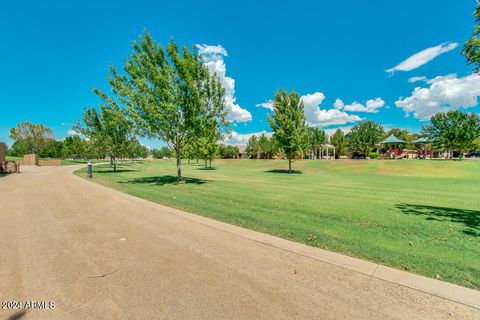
[420, 216]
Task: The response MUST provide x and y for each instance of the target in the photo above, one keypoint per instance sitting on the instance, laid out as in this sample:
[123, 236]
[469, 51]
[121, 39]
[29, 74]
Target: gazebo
[327, 147]
[323, 152]
[393, 141]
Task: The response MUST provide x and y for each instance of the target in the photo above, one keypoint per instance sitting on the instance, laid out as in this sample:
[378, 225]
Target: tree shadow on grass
[163, 180]
[206, 169]
[284, 171]
[470, 218]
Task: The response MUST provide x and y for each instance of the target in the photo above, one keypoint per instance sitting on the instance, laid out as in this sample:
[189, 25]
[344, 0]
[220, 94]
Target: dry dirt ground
[99, 255]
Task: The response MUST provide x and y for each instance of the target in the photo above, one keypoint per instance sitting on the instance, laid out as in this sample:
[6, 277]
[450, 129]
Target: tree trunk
[210, 163]
[289, 165]
[179, 168]
[114, 164]
[205, 163]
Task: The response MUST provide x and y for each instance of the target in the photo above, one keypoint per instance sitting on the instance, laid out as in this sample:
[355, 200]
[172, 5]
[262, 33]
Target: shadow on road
[17, 315]
[470, 218]
[163, 180]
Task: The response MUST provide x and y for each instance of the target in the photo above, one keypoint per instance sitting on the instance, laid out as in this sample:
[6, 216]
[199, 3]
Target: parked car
[474, 154]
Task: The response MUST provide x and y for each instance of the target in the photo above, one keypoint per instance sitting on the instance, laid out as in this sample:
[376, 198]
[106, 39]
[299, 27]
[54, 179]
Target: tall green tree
[207, 149]
[32, 138]
[339, 142]
[316, 139]
[471, 49]
[365, 136]
[228, 151]
[454, 130]
[74, 147]
[253, 147]
[17, 149]
[163, 152]
[288, 123]
[170, 94]
[265, 146]
[109, 126]
[135, 150]
[53, 150]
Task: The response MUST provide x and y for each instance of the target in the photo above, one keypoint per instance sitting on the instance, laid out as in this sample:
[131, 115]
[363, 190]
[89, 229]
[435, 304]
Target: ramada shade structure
[393, 140]
[424, 150]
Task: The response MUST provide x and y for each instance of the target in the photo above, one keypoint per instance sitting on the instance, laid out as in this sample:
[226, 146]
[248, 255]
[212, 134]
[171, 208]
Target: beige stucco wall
[29, 160]
[50, 162]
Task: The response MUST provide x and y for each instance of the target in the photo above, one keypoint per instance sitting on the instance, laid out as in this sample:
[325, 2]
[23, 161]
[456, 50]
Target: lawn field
[69, 162]
[10, 158]
[419, 216]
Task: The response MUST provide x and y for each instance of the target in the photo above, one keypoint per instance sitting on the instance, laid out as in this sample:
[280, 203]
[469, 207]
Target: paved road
[59, 234]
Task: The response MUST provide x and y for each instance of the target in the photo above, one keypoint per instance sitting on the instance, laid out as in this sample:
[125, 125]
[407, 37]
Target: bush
[373, 155]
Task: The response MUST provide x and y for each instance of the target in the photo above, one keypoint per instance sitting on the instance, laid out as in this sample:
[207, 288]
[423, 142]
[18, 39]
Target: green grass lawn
[419, 216]
[10, 158]
[69, 162]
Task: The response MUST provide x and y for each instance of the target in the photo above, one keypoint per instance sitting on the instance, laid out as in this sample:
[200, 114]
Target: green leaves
[165, 93]
[365, 135]
[32, 138]
[471, 49]
[339, 142]
[453, 130]
[316, 138]
[288, 123]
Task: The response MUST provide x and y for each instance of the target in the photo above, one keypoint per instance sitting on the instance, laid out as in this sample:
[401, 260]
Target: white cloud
[322, 117]
[213, 57]
[371, 105]
[441, 78]
[72, 132]
[420, 58]
[445, 93]
[235, 138]
[338, 104]
[331, 131]
[209, 51]
[267, 104]
[416, 79]
[375, 104]
[317, 116]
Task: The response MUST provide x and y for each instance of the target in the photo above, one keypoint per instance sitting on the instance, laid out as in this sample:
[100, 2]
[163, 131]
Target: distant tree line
[37, 138]
[452, 131]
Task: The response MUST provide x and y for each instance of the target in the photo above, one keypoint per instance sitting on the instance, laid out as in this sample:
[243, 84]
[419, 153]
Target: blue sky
[54, 52]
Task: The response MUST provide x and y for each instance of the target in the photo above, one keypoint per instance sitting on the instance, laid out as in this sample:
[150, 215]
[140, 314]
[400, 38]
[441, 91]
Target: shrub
[373, 155]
